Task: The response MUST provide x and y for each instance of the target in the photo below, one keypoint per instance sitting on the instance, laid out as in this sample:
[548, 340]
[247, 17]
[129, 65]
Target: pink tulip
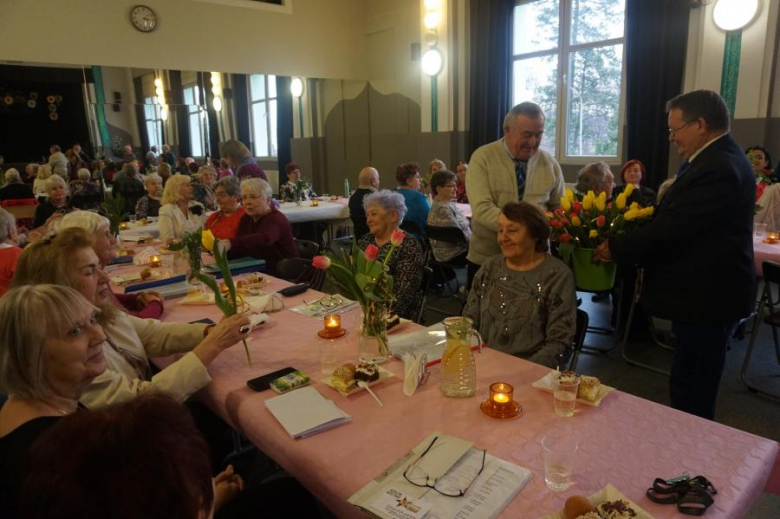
[397, 238]
[371, 252]
[321, 262]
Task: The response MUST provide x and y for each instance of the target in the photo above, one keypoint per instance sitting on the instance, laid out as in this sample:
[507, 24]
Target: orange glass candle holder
[155, 261]
[500, 403]
[315, 203]
[332, 327]
[123, 226]
[772, 237]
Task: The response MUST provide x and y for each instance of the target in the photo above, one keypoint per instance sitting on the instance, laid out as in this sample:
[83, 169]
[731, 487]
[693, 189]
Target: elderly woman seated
[263, 232]
[85, 194]
[287, 191]
[204, 187]
[224, 222]
[149, 204]
[55, 206]
[129, 186]
[9, 249]
[596, 177]
[145, 304]
[385, 210]
[417, 206]
[179, 213]
[131, 341]
[523, 301]
[632, 173]
[445, 213]
[51, 349]
[14, 188]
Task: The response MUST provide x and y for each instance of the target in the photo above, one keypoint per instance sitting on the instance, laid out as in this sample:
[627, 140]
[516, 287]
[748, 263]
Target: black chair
[411, 227]
[452, 235]
[306, 249]
[579, 337]
[425, 287]
[300, 270]
[771, 277]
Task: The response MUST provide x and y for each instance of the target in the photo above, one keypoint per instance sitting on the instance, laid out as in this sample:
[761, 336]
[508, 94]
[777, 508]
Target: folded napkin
[265, 303]
[145, 256]
[414, 372]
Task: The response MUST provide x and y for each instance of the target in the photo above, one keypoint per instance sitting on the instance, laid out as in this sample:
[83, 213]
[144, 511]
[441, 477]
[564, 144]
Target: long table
[764, 252]
[627, 441]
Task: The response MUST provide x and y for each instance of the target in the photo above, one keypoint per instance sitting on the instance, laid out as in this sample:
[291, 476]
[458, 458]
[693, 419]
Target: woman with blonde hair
[241, 160]
[434, 166]
[56, 205]
[42, 175]
[179, 213]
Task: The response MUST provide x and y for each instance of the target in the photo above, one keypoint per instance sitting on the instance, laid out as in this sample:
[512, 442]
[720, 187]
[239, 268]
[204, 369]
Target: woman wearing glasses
[632, 173]
[263, 233]
[224, 222]
[445, 213]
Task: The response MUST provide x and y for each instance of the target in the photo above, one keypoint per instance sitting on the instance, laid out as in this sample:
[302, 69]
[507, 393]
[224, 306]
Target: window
[262, 103]
[568, 58]
[153, 122]
[197, 120]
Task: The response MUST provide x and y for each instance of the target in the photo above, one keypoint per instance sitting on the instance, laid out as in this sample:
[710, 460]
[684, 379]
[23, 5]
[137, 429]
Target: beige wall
[317, 39]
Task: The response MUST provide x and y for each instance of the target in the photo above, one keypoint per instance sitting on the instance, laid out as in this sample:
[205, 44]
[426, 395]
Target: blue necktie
[520, 172]
[683, 169]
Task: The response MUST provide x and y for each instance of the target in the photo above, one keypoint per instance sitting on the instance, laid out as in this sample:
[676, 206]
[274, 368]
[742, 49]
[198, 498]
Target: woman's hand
[144, 298]
[227, 485]
[221, 337]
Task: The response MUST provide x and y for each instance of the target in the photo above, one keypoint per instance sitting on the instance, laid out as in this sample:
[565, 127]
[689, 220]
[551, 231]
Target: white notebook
[303, 412]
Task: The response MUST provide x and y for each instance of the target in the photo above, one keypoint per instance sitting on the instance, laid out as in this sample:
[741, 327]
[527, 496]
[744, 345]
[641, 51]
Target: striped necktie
[520, 172]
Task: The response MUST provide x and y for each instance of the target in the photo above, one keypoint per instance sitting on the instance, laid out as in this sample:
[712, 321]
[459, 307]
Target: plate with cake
[345, 377]
[590, 391]
[607, 503]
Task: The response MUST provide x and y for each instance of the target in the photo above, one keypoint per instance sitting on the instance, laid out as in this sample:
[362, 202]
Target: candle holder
[315, 203]
[500, 403]
[124, 226]
[332, 327]
[772, 237]
[155, 261]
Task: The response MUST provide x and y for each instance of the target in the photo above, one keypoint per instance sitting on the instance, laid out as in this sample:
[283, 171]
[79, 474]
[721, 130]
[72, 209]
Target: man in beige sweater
[512, 168]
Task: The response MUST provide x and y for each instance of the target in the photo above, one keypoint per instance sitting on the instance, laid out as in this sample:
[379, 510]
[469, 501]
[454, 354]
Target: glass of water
[759, 231]
[133, 218]
[329, 356]
[560, 450]
[565, 394]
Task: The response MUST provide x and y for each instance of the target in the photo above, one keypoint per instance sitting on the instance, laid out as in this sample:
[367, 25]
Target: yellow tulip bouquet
[591, 221]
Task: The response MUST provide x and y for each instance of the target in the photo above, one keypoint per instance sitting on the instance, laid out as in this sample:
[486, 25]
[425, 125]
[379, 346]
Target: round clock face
[143, 18]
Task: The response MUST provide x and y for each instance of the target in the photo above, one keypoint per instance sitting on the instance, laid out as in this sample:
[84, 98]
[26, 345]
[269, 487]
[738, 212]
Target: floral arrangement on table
[227, 302]
[301, 186]
[190, 244]
[580, 226]
[360, 277]
[113, 208]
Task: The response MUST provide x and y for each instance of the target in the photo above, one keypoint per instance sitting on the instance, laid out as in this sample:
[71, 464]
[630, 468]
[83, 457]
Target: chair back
[337, 245]
[446, 234]
[306, 249]
[425, 286]
[300, 270]
[579, 337]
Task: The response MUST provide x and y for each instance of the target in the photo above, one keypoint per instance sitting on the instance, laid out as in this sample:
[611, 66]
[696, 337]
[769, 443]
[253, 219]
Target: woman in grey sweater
[523, 300]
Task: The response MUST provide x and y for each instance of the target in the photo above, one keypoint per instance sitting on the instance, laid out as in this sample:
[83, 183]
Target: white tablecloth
[306, 213]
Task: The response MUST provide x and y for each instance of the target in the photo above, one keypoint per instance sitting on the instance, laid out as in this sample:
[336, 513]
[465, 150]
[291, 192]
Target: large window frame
[196, 119]
[263, 104]
[564, 50]
[154, 122]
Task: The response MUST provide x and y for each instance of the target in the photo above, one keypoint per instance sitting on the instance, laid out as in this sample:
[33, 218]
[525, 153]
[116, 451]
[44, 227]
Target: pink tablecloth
[765, 252]
[626, 441]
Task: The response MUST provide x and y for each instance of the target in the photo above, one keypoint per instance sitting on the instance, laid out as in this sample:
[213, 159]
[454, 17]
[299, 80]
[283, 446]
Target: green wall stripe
[97, 76]
[730, 73]
[434, 104]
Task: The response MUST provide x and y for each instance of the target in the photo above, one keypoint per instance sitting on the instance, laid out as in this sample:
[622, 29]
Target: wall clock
[143, 18]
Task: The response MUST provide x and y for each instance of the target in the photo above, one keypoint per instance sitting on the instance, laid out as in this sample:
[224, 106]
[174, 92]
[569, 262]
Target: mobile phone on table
[205, 320]
[264, 382]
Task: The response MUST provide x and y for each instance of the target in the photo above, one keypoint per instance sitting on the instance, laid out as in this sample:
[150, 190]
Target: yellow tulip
[587, 203]
[601, 201]
[646, 212]
[591, 195]
[207, 239]
[549, 215]
[575, 221]
[565, 203]
[631, 214]
[570, 195]
[620, 201]
[593, 233]
[629, 189]
[634, 206]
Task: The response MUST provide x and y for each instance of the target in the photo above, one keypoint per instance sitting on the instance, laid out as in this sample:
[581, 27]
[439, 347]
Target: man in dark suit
[698, 250]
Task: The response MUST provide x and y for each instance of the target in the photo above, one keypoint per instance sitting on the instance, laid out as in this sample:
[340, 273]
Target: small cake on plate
[366, 372]
[589, 388]
[343, 378]
[616, 510]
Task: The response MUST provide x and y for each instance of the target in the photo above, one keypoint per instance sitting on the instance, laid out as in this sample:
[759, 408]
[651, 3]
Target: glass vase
[372, 341]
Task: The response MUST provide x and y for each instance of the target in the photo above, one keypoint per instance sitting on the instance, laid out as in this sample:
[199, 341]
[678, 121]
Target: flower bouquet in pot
[579, 226]
[360, 276]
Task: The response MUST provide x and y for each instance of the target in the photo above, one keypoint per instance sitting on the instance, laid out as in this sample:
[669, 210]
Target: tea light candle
[501, 394]
[332, 328]
[315, 203]
[123, 225]
[155, 261]
[772, 235]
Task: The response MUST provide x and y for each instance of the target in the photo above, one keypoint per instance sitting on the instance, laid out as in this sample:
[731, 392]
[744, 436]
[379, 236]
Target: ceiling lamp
[732, 15]
[432, 62]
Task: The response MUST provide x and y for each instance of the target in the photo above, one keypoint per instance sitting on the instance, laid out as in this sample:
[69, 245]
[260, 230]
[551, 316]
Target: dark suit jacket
[698, 250]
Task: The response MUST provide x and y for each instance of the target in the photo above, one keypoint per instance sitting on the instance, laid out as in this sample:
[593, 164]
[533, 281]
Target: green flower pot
[589, 276]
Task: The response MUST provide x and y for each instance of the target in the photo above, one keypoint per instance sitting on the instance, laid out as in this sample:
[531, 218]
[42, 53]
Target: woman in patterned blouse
[384, 212]
[287, 191]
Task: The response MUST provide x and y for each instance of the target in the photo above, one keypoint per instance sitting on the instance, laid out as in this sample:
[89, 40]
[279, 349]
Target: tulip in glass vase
[362, 277]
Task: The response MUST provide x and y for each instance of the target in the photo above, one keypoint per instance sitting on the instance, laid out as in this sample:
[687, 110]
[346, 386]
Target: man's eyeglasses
[448, 486]
[672, 131]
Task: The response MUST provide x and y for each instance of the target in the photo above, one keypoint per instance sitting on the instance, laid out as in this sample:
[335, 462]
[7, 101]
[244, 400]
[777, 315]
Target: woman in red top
[9, 249]
[224, 222]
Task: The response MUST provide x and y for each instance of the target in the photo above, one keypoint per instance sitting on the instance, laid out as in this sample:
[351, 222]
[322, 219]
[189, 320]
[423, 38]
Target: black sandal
[692, 497]
[695, 502]
[665, 493]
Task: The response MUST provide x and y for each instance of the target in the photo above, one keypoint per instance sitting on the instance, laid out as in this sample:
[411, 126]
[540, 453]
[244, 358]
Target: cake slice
[366, 372]
[589, 388]
[343, 378]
